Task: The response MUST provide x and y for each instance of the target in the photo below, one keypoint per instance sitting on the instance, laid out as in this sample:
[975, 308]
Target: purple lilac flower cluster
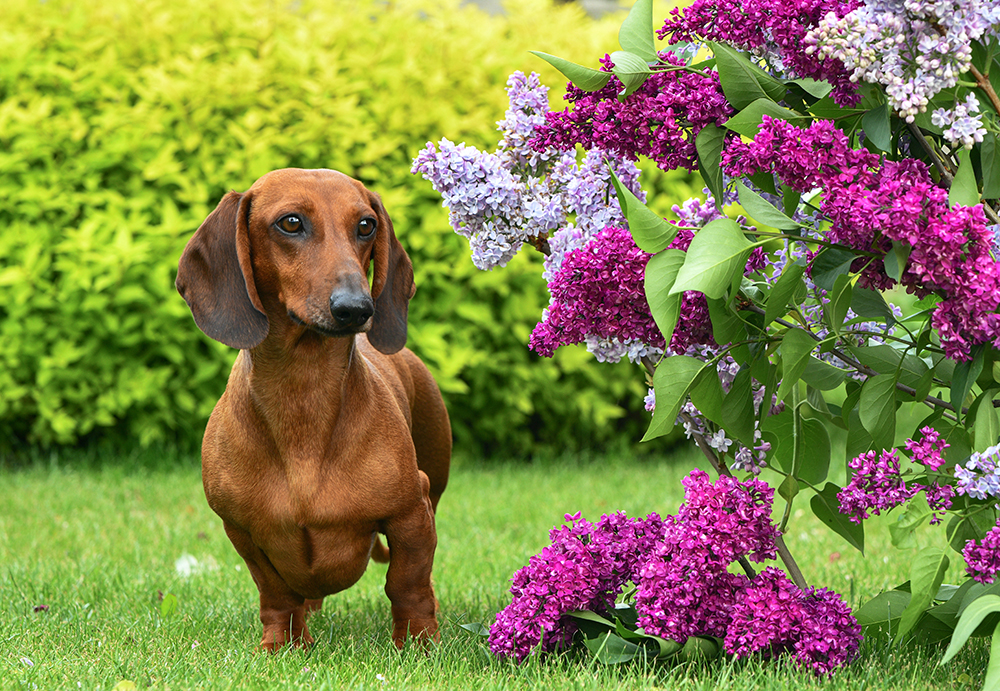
[774, 616]
[584, 568]
[773, 29]
[982, 558]
[679, 566]
[660, 120]
[914, 48]
[519, 193]
[871, 204]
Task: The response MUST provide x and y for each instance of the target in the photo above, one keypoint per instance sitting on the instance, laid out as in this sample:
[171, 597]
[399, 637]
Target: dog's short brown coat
[329, 431]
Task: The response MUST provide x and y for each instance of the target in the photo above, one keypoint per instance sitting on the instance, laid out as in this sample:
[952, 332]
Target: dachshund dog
[329, 431]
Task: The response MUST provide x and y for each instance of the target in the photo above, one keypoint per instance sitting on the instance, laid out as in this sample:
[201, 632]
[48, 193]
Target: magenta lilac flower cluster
[773, 616]
[877, 484]
[679, 566]
[660, 120]
[870, 204]
[774, 29]
[584, 568]
[685, 588]
[982, 558]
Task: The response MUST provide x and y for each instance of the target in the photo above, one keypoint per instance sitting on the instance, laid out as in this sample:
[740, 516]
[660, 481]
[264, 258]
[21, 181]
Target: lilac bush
[848, 147]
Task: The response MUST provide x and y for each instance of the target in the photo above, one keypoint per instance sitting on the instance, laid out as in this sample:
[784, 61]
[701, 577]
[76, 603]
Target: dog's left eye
[291, 224]
[366, 227]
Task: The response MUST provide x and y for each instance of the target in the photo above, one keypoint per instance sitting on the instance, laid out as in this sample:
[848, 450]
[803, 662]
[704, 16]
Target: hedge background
[123, 122]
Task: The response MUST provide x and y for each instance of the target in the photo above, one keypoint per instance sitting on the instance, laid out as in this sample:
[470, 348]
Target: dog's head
[298, 245]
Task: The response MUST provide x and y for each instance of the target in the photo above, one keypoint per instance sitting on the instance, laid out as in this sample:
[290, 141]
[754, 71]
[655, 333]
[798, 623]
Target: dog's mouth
[326, 329]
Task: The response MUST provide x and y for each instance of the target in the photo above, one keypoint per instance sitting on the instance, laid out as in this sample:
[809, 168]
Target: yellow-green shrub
[122, 122]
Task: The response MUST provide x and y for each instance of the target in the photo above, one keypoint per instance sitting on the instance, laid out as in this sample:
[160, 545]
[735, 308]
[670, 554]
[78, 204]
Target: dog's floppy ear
[215, 276]
[392, 286]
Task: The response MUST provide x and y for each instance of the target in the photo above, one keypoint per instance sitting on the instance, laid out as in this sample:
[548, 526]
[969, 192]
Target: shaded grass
[98, 541]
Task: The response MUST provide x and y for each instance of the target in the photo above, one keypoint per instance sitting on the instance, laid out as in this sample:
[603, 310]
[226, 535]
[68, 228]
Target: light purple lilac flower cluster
[772, 29]
[773, 617]
[679, 566]
[660, 120]
[914, 48]
[519, 194]
[877, 484]
[584, 568]
[870, 204]
[979, 478]
[982, 558]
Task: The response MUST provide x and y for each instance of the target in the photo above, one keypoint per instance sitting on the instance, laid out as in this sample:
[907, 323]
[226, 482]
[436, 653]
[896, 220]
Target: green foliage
[123, 123]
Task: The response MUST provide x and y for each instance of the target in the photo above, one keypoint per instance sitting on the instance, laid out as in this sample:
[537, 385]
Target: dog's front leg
[282, 610]
[412, 540]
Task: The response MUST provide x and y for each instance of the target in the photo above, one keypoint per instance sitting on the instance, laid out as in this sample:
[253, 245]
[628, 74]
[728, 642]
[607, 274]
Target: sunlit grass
[93, 545]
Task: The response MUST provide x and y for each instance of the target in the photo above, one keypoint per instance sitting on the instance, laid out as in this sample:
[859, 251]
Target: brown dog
[329, 431]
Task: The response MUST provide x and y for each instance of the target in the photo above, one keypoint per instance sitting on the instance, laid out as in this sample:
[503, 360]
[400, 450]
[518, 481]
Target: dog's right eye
[290, 224]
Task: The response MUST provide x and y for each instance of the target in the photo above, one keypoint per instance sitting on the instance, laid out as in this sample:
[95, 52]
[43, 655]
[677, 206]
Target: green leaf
[796, 346]
[815, 449]
[990, 157]
[762, 211]
[749, 119]
[885, 359]
[716, 253]
[742, 81]
[785, 287]
[826, 508]
[971, 526]
[963, 188]
[585, 78]
[701, 647]
[969, 622]
[631, 69]
[926, 575]
[903, 531]
[992, 680]
[789, 488]
[708, 144]
[814, 88]
[822, 375]
[840, 301]
[707, 396]
[895, 261]
[829, 265]
[169, 606]
[963, 378]
[871, 305]
[877, 409]
[476, 628]
[986, 427]
[737, 408]
[726, 324]
[636, 33]
[611, 649]
[650, 232]
[661, 272]
[877, 128]
[883, 609]
[671, 381]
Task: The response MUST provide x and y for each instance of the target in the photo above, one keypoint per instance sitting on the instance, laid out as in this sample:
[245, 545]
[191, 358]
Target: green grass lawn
[94, 544]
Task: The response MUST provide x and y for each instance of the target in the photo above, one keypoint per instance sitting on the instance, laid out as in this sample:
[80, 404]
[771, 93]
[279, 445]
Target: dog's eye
[366, 227]
[290, 224]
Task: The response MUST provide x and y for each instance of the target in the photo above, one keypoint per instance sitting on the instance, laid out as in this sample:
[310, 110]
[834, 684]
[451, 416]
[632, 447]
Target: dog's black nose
[351, 310]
